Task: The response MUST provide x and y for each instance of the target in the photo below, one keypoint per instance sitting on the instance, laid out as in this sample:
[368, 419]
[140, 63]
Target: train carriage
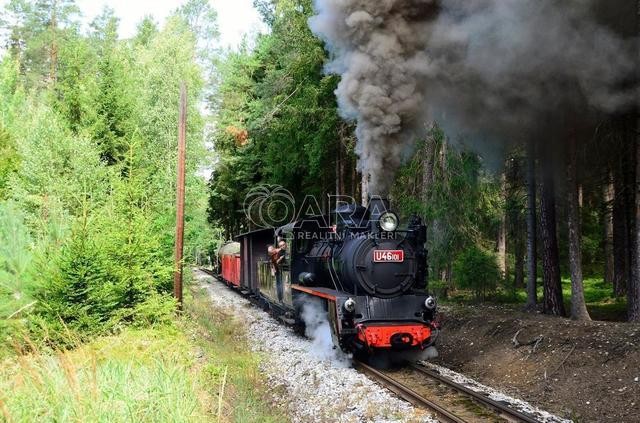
[229, 262]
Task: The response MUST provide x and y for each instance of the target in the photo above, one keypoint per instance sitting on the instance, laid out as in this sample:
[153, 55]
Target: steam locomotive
[367, 273]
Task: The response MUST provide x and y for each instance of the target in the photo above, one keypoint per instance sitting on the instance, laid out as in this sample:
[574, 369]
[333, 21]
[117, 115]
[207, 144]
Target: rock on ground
[315, 383]
[312, 387]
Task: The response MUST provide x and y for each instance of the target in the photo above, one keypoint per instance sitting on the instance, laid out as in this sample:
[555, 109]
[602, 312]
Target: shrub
[477, 269]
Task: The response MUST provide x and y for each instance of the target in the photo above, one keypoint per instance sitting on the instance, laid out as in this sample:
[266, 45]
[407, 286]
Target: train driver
[281, 254]
[272, 253]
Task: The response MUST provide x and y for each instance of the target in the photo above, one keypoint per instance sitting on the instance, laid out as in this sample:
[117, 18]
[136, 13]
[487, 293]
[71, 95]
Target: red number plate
[381, 256]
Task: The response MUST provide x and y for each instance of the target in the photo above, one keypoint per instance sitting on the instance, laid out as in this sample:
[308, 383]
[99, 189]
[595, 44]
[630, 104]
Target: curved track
[407, 393]
[496, 410]
[451, 409]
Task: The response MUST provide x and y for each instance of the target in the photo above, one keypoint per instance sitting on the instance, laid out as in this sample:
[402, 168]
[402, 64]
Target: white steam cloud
[497, 71]
[318, 330]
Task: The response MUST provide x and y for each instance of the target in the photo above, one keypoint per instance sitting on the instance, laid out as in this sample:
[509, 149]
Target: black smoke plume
[491, 72]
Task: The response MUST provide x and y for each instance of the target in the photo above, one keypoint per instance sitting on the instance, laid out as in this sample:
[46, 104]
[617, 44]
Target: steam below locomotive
[367, 272]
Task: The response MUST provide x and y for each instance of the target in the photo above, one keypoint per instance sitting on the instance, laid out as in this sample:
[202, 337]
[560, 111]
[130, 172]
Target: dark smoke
[493, 72]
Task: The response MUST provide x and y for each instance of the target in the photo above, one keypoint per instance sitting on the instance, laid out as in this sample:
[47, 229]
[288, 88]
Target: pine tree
[578, 306]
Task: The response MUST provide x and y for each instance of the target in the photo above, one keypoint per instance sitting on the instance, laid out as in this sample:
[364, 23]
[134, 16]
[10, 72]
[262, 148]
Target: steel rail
[407, 393]
[415, 398]
[479, 397]
[207, 271]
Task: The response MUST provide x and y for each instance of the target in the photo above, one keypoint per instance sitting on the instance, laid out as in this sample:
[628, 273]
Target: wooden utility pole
[182, 141]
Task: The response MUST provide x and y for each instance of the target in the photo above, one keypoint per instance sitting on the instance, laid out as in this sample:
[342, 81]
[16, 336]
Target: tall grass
[199, 369]
[139, 375]
[243, 395]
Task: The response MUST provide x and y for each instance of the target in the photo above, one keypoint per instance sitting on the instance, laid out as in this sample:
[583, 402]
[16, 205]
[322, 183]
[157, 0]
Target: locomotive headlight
[388, 222]
[430, 303]
[350, 305]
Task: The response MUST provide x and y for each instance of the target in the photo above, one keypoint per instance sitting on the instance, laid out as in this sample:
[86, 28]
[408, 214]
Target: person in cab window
[282, 251]
[281, 254]
[272, 253]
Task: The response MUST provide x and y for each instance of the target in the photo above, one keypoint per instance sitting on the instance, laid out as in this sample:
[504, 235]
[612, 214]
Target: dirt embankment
[583, 371]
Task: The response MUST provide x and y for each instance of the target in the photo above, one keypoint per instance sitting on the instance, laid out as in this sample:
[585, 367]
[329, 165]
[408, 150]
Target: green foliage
[38, 28]
[88, 145]
[476, 269]
[75, 83]
[277, 117]
[75, 294]
[16, 279]
[462, 205]
[9, 160]
[56, 167]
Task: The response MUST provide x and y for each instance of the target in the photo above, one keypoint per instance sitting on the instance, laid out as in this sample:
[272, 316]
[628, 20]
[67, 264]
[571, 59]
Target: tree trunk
[443, 157]
[342, 158]
[518, 275]
[578, 306]
[338, 165]
[53, 49]
[608, 228]
[552, 300]
[620, 233]
[445, 275]
[633, 292]
[501, 246]
[354, 180]
[629, 170]
[532, 259]
[633, 295]
[343, 169]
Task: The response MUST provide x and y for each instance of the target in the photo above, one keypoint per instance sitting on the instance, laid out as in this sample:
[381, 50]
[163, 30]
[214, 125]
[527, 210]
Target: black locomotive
[369, 275]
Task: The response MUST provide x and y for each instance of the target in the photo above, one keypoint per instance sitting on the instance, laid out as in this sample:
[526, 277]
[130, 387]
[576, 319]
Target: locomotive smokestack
[377, 206]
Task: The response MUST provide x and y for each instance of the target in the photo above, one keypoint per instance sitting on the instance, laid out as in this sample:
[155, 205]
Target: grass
[199, 369]
[601, 303]
[223, 339]
[139, 375]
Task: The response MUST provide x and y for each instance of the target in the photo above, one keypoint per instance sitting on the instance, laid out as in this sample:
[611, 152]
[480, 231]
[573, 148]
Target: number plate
[385, 256]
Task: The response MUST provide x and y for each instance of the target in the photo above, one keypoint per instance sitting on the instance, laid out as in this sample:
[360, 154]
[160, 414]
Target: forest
[548, 221]
[527, 176]
[88, 147]
[88, 135]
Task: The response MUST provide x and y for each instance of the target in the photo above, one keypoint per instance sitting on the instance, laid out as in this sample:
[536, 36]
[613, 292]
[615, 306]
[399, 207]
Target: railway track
[208, 271]
[459, 405]
[411, 388]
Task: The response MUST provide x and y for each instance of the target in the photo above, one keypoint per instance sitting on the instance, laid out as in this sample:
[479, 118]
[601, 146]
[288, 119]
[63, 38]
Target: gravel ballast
[312, 384]
[315, 383]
